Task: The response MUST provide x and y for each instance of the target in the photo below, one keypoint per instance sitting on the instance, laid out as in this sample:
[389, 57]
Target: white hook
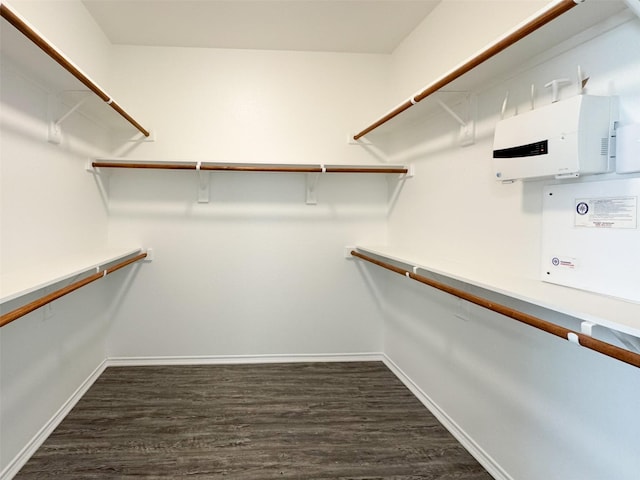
[573, 338]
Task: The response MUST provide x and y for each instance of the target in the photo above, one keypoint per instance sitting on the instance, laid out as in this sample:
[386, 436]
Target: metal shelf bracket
[54, 105]
[312, 183]
[204, 184]
[467, 125]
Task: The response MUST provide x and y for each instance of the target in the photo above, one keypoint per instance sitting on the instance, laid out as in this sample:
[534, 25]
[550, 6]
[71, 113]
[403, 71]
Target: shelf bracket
[411, 171]
[631, 342]
[347, 252]
[204, 183]
[467, 126]
[149, 257]
[634, 5]
[312, 183]
[54, 105]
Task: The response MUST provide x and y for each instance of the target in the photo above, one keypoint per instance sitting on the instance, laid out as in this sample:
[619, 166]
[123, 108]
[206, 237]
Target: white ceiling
[358, 26]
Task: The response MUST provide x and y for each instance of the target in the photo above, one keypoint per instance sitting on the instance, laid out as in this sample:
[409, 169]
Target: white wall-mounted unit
[564, 139]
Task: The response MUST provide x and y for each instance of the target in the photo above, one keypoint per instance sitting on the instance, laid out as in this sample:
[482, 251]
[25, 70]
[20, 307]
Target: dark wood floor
[285, 421]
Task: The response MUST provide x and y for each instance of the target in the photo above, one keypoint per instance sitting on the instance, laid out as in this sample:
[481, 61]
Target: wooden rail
[9, 317]
[52, 52]
[586, 341]
[251, 168]
[530, 26]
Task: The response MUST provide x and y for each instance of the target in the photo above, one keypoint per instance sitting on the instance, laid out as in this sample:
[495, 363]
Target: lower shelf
[16, 286]
[610, 312]
[583, 337]
[38, 277]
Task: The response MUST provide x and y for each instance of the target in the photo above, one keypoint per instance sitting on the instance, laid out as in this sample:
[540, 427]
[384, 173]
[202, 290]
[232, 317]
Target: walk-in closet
[320, 239]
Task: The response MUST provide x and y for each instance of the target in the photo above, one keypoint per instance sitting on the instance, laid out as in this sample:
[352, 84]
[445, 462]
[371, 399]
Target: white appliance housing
[628, 148]
[564, 139]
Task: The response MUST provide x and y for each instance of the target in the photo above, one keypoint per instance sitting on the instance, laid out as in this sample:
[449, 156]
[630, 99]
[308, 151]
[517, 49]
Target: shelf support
[204, 184]
[634, 5]
[632, 343]
[312, 183]
[467, 127]
[55, 105]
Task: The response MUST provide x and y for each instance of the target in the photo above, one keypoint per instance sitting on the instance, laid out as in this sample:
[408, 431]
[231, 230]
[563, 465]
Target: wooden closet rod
[586, 341]
[42, 301]
[251, 168]
[157, 165]
[51, 51]
[400, 170]
[304, 169]
[532, 25]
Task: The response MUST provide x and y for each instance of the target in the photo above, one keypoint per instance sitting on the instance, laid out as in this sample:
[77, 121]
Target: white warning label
[606, 212]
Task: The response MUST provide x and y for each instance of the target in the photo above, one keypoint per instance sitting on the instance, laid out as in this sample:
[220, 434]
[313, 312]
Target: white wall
[249, 106]
[49, 208]
[256, 270]
[536, 405]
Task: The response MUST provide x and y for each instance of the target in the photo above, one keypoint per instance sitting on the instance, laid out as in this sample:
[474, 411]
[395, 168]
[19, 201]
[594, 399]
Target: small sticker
[564, 262]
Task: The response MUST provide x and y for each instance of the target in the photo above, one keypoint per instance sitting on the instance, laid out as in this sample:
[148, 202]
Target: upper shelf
[250, 167]
[24, 47]
[557, 22]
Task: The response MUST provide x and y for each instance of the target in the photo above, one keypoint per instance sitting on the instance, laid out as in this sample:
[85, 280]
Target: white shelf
[613, 313]
[21, 54]
[587, 20]
[249, 167]
[36, 277]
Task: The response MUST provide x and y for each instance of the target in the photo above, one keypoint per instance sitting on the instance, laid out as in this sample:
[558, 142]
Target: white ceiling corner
[354, 26]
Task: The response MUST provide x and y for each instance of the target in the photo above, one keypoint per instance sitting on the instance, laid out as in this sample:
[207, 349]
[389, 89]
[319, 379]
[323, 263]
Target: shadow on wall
[240, 195]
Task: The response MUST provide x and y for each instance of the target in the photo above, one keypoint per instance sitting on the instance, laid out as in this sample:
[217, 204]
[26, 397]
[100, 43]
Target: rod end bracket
[347, 251]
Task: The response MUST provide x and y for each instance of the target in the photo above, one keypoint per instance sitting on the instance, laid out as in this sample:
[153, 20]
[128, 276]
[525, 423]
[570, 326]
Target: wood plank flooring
[351, 420]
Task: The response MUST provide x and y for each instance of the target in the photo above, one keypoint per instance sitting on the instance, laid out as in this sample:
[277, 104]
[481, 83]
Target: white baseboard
[38, 439]
[244, 359]
[489, 464]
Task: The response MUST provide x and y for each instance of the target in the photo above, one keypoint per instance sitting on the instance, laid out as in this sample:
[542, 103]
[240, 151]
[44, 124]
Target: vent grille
[604, 146]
